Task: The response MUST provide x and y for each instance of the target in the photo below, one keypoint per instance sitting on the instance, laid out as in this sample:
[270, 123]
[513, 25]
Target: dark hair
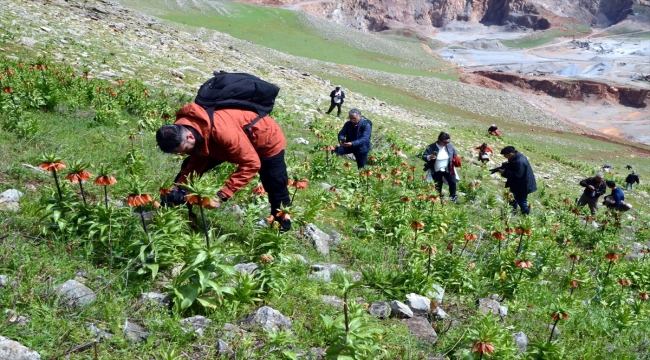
[169, 137]
[338, 88]
[610, 183]
[508, 150]
[443, 136]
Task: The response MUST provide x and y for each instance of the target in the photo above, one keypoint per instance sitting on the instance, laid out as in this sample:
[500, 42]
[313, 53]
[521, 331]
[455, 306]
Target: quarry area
[593, 71]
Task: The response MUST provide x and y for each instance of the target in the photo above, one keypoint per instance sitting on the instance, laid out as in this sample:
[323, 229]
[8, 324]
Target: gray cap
[599, 175]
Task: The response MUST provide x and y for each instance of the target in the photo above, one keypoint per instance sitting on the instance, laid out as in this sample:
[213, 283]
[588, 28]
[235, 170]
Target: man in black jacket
[595, 187]
[521, 179]
[338, 96]
[631, 179]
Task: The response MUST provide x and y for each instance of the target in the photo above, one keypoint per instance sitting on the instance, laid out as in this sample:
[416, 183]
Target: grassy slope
[53, 329]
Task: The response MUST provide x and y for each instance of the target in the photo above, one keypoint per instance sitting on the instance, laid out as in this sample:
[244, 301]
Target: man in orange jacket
[260, 150]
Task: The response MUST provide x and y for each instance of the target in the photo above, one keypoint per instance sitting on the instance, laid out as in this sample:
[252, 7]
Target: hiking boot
[454, 199]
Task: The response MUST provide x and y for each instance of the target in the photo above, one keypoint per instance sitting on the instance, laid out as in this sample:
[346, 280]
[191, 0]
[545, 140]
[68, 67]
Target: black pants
[451, 180]
[273, 174]
[338, 113]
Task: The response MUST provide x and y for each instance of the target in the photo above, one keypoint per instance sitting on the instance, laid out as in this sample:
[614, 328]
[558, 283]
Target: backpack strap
[248, 129]
[210, 110]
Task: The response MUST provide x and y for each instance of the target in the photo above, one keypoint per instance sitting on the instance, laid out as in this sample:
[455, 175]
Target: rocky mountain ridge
[427, 15]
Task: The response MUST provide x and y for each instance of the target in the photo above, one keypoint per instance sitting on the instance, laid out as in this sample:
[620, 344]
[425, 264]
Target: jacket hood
[196, 117]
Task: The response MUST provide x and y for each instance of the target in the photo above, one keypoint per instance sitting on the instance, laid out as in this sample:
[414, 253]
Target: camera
[502, 167]
[174, 197]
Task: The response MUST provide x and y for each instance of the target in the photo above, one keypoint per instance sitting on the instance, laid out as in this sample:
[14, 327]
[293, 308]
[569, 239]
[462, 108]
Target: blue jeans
[629, 186]
[521, 201]
[361, 157]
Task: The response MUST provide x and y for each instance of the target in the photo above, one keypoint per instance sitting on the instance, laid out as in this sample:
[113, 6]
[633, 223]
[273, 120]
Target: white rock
[301, 141]
[400, 310]
[418, 303]
[437, 293]
[13, 350]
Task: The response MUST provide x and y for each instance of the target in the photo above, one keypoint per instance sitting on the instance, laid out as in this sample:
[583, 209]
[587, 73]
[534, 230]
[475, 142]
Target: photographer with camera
[595, 187]
[521, 179]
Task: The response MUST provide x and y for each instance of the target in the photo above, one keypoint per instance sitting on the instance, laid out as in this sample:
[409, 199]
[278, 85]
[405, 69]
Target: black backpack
[237, 91]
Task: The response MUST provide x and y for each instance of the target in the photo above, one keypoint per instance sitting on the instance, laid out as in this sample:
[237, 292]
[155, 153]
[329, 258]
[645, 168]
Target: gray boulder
[10, 200]
[301, 141]
[319, 239]
[437, 293]
[379, 309]
[332, 300]
[13, 350]
[74, 293]
[223, 347]
[154, 298]
[266, 318]
[101, 334]
[248, 268]
[487, 306]
[418, 303]
[400, 310]
[197, 323]
[438, 313]
[521, 340]
[177, 73]
[134, 332]
[4, 280]
[421, 328]
[335, 237]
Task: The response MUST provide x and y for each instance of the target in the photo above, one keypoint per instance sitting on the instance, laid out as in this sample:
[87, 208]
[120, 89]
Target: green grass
[537, 39]
[282, 30]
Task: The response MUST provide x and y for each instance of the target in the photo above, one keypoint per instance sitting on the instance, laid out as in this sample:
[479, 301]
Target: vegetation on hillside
[553, 269]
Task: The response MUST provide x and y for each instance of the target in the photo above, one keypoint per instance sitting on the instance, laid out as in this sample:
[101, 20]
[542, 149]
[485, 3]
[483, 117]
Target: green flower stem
[83, 194]
[144, 224]
[550, 338]
[205, 227]
[106, 197]
[56, 181]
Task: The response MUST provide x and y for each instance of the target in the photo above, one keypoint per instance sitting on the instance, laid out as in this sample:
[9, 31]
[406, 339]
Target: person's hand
[502, 171]
[347, 144]
[591, 187]
[431, 157]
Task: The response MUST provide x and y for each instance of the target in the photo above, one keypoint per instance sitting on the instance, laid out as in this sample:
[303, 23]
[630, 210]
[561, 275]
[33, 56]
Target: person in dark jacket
[521, 179]
[595, 187]
[494, 130]
[354, 137]
[337, 98]
[617, 194]
[631, 179]
[439, 157]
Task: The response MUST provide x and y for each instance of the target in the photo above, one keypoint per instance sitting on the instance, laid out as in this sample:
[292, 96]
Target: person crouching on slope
[226, 140]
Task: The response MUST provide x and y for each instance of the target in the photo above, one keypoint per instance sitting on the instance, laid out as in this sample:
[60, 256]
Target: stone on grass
[400, 310]
[10, 200]
[177, 73]
[13, 350]
[503, 311]
[154, 298]
[437, 293]
[324, 272]
[487, 306]
[15, 318]
[134, 332]
[197, 323]
[335, 237]
[440, 314]
[248, 268]
[266, 318]
[222, 347]
[379, 309]
[521, 341]
[301, 141]
[4, 280]
[332, 300]
[418, 303]
[101, 334]
[74, 293]
[319, 239]
[556, 330]
[421, 328]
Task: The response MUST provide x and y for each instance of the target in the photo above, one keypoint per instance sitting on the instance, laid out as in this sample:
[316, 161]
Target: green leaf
[189, 293]
[154, 269]
[207, 302]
